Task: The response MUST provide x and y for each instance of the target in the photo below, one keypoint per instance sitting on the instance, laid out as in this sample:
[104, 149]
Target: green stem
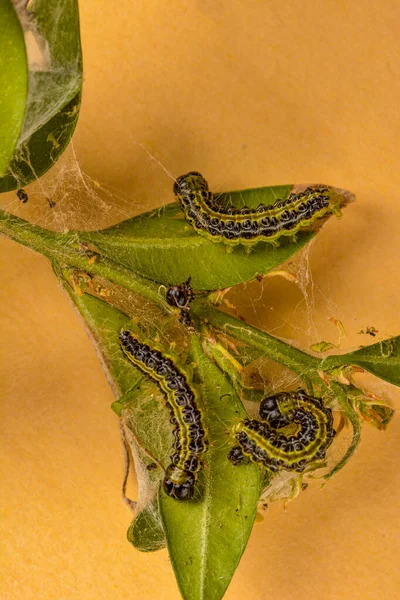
[279, 351]
[58, 247]
[228, 365]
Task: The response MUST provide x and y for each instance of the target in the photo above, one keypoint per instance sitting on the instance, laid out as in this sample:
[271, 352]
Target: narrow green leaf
[161, 245]
[55, 81]
[207, 536]
[378, 415]
[13, 82]
[381, 359]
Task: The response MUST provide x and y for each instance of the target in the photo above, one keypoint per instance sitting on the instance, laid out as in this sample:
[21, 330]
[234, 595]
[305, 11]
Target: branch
[65, 250]
[298, 361]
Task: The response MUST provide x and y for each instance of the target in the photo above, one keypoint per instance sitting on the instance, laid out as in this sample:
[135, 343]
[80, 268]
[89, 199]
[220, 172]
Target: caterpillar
[248, 226]
[190, 437]
[264, 440]
[22, 195]
[180, 296]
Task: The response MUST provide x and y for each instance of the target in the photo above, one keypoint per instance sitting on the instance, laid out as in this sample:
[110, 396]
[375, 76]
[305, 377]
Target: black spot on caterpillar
[265, 441]
[190, 437]
[249, 226]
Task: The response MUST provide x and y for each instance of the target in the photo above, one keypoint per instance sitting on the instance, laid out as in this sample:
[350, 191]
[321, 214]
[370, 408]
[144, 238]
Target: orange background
[249, 93]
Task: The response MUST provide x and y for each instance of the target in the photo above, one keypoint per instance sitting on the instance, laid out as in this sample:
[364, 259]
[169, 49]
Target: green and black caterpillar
[190, 437]
[266, 442]
[180, 296]
[249, 226]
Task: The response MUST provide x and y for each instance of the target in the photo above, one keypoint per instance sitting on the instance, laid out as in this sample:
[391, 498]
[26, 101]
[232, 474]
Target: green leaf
[207, 536]
[13, 82]
[138, 398]
[54, 90]
[161, 245]
[252, 197]
[146, 532]
[322, 347]
[104, 323]
[136, 404]
[381, 359]
[43, 148]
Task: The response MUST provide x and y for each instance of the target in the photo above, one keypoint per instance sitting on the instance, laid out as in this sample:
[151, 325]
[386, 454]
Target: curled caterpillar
[190, 437]
[264, 441]
[249, 226]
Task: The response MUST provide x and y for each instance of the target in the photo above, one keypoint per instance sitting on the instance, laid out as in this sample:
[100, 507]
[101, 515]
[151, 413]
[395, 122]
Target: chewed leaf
[138, 406]
[13, 82]
[322, 347]
[55, 80]
[163, 246]
[378, 415]
[207, 536]
[381, 359]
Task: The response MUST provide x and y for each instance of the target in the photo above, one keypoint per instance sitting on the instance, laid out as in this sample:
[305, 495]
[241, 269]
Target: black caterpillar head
[181, 295]
[179, 484]
[191, 182]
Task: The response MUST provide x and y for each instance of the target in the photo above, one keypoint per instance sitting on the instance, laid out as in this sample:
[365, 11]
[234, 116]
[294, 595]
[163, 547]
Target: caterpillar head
[191, 182]
[179, 484]
[181, 295]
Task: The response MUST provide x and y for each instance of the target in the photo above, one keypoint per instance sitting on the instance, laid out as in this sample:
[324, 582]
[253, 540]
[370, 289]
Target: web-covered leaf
[146, 532]
[54, 88]
[104, 323]
[139, 404]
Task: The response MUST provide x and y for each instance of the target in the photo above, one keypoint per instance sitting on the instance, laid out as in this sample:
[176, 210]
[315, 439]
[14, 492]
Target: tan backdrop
[250, 93]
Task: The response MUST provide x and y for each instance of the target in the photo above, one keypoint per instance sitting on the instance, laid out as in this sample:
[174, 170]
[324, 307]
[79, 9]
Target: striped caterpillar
[265, 442]
[248, 226]
[190, 437]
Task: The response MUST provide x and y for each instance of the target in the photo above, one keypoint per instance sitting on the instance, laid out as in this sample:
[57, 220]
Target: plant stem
[298, 361]
[59, 247]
